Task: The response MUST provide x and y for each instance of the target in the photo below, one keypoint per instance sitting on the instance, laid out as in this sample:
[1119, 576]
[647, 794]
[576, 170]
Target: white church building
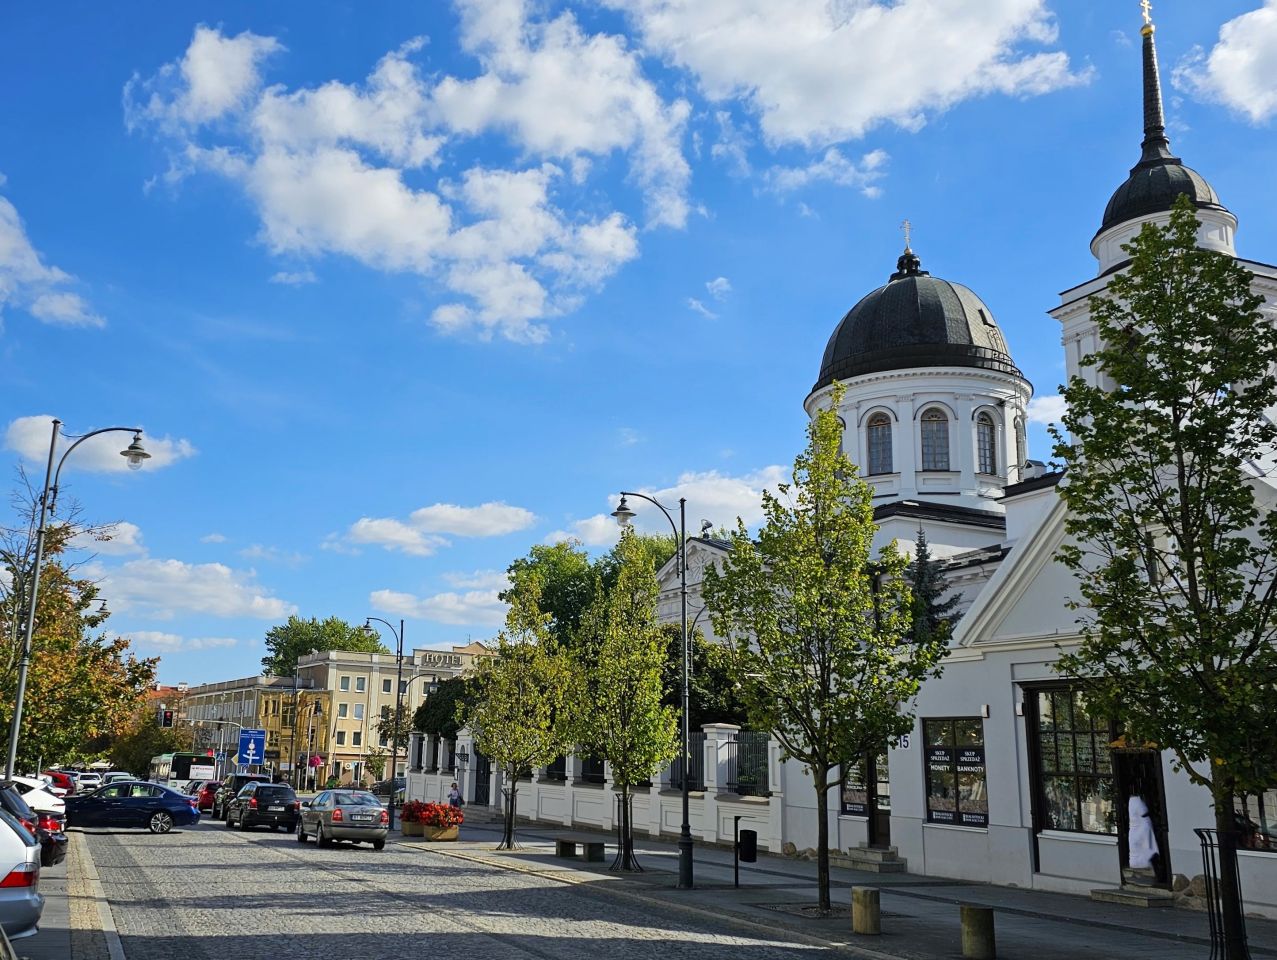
[1006, 778]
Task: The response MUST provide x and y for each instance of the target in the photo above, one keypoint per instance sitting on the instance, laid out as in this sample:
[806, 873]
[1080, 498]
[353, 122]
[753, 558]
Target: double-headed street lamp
[135, 454]
[624, 515]
[394, 738]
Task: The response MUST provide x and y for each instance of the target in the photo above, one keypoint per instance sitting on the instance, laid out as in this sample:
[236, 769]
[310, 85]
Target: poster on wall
[855, 792]
[956, 773]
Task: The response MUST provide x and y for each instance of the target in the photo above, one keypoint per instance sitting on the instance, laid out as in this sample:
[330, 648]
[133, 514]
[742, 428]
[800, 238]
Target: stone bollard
[977, 932]
[865, 917]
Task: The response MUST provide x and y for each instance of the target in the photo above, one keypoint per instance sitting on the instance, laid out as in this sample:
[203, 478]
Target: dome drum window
[986, 444]
[878, 436]
[935, 440]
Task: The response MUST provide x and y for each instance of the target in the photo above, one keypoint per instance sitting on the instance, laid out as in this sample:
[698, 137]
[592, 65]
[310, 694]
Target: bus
[177, 769]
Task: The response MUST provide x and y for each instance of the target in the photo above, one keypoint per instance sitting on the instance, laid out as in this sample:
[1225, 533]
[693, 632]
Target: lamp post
[394, 737]
[624, 515]
[135, 455]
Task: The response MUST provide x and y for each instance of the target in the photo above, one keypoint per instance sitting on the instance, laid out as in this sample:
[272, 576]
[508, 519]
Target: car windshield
[350, 798]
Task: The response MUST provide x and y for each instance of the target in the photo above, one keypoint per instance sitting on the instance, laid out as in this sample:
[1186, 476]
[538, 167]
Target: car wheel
[161, 821]
[301, 832]
[379, 844]
[320, 838]
[243, 820]
[226, 819]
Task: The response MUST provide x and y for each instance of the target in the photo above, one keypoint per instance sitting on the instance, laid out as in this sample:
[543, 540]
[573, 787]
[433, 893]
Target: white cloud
[268, 554]
[394, 535]
[834, 168]
[213, 538]
[472, 608]
[172, 642]
[27, 281]
[478, 580]
[1238, 72]
[486, 520]
[117, 540]
[29, 437]
[732, 146]
[295, 278]
[1046, 410]
[697, 307]
[162, 588]
[719, 288]
[818, 72]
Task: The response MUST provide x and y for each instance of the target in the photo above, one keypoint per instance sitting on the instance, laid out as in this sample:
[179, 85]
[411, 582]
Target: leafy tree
[291, 641]
[375, 762]
[1174, 555]
[618, 710]
[438, 713]
[519, 707]
[823, 647]
[713, 692]
[565, 584]
[385, 727]
[143, 739]
[932, 617]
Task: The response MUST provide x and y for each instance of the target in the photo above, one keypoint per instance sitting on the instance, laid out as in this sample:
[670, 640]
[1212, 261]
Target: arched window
[986, 435]
[935, 440]
[879, 431]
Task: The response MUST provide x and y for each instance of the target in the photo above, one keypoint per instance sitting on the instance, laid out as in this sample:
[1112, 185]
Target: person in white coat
[1140, 838]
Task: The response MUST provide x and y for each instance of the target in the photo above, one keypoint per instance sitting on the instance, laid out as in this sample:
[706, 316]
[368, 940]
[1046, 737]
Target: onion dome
[1160, 177]
[915, 320]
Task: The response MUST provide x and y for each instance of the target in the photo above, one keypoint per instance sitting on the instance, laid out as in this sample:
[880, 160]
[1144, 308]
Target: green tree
[519, 707]
[713, 692]
[290, 641]
[618, 712]
[932, 616]
[439, 712]
[1174, 556]
[824, 650]
[143, 739]
[375, 763]
[564, 580]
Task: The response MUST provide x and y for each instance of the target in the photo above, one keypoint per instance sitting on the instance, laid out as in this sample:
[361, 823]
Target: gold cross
[907, 227]
[1147, 7]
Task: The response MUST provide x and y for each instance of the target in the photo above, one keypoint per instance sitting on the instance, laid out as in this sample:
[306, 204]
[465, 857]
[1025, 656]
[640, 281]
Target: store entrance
[1137, 775]
[879, 782]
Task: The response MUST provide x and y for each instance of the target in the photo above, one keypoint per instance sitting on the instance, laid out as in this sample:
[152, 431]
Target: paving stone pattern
[207, 892]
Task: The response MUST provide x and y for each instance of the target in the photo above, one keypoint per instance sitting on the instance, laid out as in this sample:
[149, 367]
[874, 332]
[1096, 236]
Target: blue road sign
[252, 747]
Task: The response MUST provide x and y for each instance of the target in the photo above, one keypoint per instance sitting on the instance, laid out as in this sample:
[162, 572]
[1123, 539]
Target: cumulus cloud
[1047, 410]
[117, 540]
[393, 535]
[817, 72]
[1238, 71]
[160, 589]
[174, 643]
[833, 168]
[29, 438]
[26, 281]
[268, 554]
[492, 519]
[213, 538]
[719, 288]
[479, 608]
[478, 580]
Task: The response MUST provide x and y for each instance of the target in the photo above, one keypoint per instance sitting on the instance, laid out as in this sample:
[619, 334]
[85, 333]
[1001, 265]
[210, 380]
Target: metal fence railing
[747, 764]
[695, 770]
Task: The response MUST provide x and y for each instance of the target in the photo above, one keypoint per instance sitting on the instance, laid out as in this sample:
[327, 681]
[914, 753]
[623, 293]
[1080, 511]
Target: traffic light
[166, 718]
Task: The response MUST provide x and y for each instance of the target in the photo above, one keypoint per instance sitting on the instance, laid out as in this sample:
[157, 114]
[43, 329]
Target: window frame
[386, 685]
[343, 710]
[930, 460]
[879, 452]
[343, 684]
[341, 738]
[361, 684]
[954, 761]
[985, 424]
[358, 712]
[1038, 772]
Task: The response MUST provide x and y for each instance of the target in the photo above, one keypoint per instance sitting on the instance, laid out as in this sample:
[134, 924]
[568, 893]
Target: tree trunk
[507, 837]
[820, 779]
[1233, 922]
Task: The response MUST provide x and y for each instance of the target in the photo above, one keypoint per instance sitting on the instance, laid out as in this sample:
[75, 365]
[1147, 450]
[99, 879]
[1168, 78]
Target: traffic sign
[252, 747]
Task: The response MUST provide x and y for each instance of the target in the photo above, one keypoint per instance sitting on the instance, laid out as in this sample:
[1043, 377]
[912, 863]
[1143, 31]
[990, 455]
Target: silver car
[20, 900]
[354, 815]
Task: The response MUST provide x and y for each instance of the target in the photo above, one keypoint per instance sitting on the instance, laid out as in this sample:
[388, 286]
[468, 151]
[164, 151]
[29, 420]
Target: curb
[606, 885]
[106, 920]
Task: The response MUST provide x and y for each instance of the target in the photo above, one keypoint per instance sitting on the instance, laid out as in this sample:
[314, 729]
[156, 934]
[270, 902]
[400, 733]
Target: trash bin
[749, 846]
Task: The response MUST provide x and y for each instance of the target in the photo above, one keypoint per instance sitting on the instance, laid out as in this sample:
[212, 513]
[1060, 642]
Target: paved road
[208, 892]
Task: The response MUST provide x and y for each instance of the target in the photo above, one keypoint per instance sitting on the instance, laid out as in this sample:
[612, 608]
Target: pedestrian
[454, 797]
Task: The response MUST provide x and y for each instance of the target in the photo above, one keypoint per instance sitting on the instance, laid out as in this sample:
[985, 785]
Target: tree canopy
[289, 642]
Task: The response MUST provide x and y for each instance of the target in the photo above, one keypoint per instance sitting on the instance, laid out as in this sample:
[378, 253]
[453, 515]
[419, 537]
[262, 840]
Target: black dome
[916, 320]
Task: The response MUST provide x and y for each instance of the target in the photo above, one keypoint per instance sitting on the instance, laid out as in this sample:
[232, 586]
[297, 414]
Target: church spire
[1156, 147]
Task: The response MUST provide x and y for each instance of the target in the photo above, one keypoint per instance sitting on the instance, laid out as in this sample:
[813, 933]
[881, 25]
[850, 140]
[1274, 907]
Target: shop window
[879, 437]
[1074, 769]
[956, 788]
[1256, 816]
[986, 444]
[935, 440]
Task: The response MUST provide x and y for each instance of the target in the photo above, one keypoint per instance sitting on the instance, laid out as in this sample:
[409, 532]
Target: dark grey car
[354, 815]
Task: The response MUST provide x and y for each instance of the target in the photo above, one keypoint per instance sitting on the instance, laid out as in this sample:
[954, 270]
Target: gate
[482, 780]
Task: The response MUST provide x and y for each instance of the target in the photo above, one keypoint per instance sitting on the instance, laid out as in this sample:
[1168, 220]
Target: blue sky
[399, 290]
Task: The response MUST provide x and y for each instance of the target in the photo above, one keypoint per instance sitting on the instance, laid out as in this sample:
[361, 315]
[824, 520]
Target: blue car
[132, 803]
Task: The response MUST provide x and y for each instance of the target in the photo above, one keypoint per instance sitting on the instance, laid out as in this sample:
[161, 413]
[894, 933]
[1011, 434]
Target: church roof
[915, 320]
[1160, 177]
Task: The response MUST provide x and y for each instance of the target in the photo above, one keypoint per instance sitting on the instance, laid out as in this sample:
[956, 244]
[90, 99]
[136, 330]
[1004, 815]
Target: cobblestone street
[208, 892]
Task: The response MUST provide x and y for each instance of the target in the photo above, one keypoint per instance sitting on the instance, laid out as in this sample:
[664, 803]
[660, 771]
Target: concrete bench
[593, 847]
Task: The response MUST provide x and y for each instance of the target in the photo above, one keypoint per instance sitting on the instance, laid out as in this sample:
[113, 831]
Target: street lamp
[394, 737]
[135, 455]
[624, 515]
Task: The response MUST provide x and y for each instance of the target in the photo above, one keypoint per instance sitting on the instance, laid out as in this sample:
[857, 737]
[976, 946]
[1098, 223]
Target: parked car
[203, 791]
[38, 797]
[383, 788]
[47, 828]
[114, 776]
[21, 902]
[132, 803]
[88, 780]
[231, 785]
[354, 815]
[261, 804]
[63, 779]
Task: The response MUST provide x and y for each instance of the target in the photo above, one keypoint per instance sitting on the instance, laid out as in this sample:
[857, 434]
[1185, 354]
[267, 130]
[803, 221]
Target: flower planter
[411, 828]
[441, 833]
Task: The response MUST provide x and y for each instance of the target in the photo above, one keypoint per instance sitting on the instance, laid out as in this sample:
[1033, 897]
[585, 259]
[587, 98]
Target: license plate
[363, 816]
[276, 808]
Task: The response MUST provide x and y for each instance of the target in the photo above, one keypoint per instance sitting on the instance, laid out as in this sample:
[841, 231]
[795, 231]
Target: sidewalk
[920, 916]
[71, 925]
